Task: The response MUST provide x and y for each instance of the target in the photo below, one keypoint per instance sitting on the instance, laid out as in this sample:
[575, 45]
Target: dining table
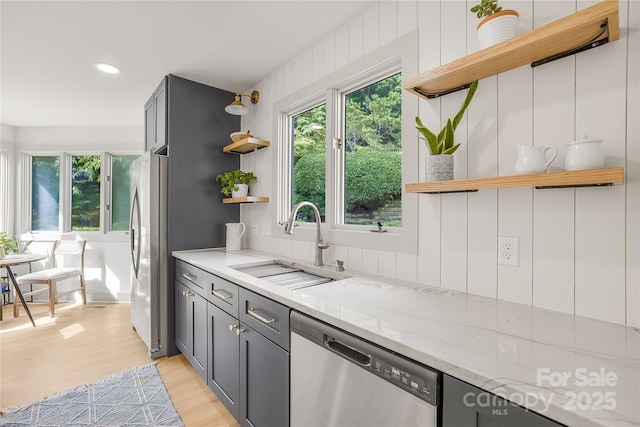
[12, 260]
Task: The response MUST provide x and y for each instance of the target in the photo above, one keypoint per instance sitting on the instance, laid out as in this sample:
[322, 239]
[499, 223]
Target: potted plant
[442, 146]
[10, 244]
[497, 25]
[236, 183]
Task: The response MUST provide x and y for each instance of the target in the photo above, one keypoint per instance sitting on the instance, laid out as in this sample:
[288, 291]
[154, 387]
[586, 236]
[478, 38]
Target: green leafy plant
[11, 244]
[486, 8]
[363, 188]
[229, 180]
[444, 142]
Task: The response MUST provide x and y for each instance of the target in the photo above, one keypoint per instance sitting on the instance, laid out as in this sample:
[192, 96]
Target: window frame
[400, 55]
[64, 214]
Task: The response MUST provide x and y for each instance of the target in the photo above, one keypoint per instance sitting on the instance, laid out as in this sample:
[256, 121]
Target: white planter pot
[439, 167]
[243, 191]
[497, 28]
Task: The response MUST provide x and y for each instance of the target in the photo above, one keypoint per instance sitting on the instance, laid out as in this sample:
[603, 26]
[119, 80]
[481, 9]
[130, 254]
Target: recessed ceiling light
[107, 68]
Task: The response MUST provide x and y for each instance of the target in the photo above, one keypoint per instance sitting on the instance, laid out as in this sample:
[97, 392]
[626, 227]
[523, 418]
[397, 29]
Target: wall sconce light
[237, 108]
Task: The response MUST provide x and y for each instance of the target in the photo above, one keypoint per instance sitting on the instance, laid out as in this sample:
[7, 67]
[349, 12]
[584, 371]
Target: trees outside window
[308, 179]
[373, 154]
[85, 193]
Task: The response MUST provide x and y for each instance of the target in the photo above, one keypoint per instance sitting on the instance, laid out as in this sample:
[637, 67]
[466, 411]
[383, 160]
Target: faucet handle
[323, 245]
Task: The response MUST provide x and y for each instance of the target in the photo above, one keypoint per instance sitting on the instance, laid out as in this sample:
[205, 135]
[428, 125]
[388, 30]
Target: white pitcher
[235, 231]
[533, 159]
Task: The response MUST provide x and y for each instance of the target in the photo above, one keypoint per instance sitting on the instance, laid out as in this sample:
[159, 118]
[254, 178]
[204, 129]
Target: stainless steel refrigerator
[148, 246]
[176, 201]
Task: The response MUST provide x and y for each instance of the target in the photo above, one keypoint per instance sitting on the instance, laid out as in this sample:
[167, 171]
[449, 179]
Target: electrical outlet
[254, 228]
[508, 253]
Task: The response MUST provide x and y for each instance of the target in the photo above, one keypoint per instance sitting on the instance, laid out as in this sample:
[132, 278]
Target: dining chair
[62, 249]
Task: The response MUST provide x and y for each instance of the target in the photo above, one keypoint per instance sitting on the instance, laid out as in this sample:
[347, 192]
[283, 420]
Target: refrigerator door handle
[134, 237]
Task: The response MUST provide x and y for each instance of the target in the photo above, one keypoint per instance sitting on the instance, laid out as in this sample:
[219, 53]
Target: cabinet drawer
[224, 295]
[195, 278]
[268, 317]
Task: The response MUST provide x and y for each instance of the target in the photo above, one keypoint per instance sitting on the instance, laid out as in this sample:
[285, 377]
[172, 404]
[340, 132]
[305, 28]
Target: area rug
[136, 397]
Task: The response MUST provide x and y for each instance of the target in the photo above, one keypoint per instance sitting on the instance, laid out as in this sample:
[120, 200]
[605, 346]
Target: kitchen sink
[290, 275]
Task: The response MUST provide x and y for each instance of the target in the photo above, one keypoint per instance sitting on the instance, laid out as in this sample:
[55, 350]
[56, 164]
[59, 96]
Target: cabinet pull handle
[232, 327]
[219, 294]
[251, 312]
[187, 293]
[189, 277]
[239, 331]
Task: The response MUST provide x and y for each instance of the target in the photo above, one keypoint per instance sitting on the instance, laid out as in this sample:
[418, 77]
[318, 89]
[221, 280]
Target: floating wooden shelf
[586, 29]
[248, 199]
[246, 145]
[583, 178]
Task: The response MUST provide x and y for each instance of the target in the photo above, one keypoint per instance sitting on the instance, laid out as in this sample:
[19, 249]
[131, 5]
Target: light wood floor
[85, 343]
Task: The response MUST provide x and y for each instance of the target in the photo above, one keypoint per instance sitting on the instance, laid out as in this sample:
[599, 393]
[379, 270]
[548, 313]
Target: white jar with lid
[583, 154]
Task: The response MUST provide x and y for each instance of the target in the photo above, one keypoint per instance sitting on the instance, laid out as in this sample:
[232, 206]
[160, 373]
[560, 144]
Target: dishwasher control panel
[421, 384]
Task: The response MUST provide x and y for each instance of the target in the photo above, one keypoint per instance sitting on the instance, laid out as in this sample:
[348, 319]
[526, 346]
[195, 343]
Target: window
[368, 190]
[78, 192]
[45, 193]
[372, 118]
[120, 194]
[347, 143]
[309, 134]
[85, 193]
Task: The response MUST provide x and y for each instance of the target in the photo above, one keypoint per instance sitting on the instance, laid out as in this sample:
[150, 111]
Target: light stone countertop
[575, 370]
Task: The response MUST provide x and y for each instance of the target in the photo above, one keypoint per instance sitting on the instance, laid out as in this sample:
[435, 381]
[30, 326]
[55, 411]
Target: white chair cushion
[59, 273]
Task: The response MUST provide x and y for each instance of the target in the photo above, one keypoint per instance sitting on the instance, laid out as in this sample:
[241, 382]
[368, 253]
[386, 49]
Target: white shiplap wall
[579, 248]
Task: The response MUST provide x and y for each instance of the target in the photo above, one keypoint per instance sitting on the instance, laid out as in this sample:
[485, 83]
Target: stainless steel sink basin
[289, 275]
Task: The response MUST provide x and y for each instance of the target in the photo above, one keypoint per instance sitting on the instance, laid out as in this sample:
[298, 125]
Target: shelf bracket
[548, 187]
[433, 95]
[595, 42]
[454, 191]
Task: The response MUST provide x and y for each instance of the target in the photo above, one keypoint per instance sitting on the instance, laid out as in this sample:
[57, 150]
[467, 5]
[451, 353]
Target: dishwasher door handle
[348, 352]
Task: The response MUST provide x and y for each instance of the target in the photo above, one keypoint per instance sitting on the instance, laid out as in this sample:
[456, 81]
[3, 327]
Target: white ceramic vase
[243, 191]
[497, 28]
[439, 167]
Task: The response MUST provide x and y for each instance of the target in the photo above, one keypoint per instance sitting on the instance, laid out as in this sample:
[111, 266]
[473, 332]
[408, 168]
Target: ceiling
[48, 51]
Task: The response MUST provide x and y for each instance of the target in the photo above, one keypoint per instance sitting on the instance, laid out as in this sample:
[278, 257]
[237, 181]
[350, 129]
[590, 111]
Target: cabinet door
[198, 355]
[149, 124]
[264, 381]
[224, 359]
[191, 327]
[470, 406]
[182, 318]
[160, 101]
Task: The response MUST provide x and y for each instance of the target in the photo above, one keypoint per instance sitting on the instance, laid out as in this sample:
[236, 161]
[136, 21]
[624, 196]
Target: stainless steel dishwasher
[340, 380]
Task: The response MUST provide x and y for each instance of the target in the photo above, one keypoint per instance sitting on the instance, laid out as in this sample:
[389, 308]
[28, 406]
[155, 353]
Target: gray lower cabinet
[247, 370]
[224, 358]
[464, 405]
[191, 327]
[264, 381]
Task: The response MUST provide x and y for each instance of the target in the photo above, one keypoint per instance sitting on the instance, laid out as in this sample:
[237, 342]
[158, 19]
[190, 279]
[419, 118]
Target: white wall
[107, 257]
[579, 248]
